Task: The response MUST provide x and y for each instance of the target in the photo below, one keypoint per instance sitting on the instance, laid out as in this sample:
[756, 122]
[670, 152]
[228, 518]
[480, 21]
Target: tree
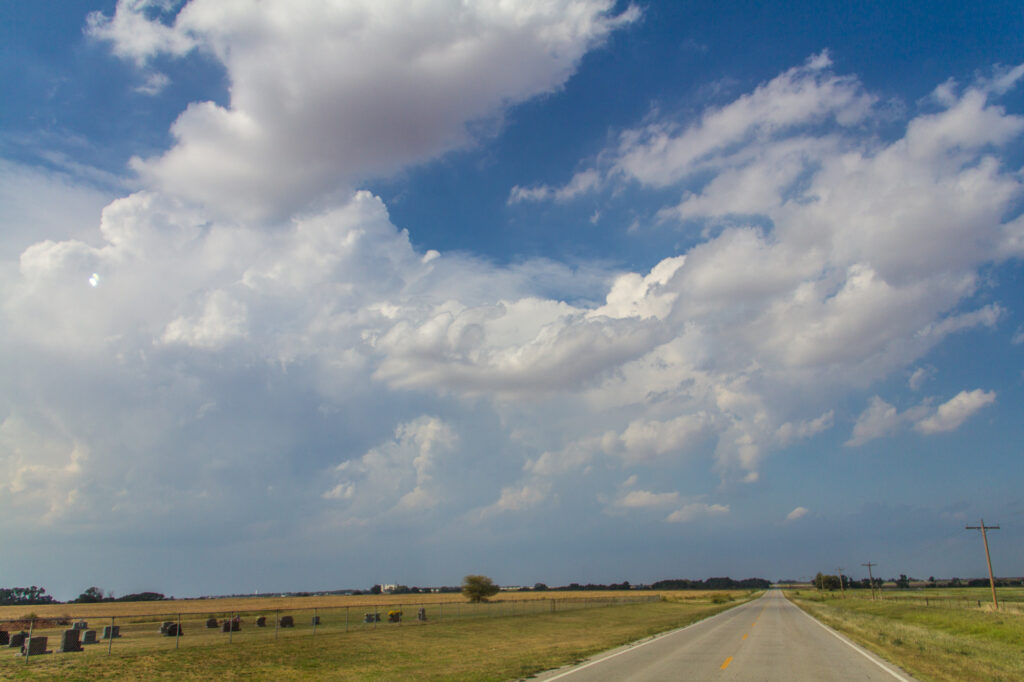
[90, 596]
[903, 582]
[539, 587]
[143, 596]
[24, 595]
[826, 582]
[478, 588]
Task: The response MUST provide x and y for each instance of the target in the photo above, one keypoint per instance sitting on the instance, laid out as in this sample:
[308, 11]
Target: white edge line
[655, 638]
[859, 649]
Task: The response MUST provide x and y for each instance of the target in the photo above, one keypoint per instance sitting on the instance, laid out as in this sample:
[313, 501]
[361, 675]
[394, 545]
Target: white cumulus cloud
[797, 513]
[696, 510]
[223, 348]
[954, 412]
[326, 94]
[878, 420]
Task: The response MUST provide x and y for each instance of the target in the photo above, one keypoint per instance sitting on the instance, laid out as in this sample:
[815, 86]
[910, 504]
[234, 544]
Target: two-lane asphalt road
[766, 639]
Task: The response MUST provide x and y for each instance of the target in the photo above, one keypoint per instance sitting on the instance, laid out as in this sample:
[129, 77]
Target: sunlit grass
[932, 642]
[494, 648]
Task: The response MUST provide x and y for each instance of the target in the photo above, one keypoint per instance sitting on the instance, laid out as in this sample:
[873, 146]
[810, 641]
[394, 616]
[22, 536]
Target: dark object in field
[170, 629]
[316, 620]
[89, 637]
[421, 614]
[17, 639]
[212, 623]
[111, 631]
[69, 641]
[233, 625]
[5, 638]
[80, 625]
[371, 617]
[287, 622]
[261, 622]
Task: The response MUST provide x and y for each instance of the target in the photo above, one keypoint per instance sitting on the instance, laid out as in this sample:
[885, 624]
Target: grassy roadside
[930, 643]
[500, 648]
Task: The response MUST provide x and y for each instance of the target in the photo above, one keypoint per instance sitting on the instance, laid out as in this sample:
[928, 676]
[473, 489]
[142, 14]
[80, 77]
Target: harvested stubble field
[936, 634]
[519, 637]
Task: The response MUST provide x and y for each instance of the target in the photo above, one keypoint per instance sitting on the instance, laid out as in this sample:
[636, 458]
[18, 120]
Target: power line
[988, 559]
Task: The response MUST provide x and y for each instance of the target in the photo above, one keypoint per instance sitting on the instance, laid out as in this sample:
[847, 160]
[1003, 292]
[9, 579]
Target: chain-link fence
[111, 635]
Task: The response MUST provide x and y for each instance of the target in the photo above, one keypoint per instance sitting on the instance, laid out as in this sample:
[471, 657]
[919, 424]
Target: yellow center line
[727, 662]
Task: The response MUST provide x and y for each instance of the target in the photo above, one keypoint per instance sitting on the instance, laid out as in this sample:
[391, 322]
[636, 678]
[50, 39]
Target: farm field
[240, 604]
[516, 639]
[935, 634]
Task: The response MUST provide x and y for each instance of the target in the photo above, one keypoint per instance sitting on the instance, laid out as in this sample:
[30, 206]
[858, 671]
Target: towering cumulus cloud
[326, 94]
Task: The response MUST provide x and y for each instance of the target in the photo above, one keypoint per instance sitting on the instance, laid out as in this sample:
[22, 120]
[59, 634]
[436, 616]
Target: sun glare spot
[94, 280]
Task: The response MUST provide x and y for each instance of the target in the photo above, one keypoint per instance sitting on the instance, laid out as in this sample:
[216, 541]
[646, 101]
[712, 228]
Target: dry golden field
[243, 604]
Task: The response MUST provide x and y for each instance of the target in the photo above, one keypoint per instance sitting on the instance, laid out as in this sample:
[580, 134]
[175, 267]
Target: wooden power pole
[842, 588]
[988, 559]
[871, 578]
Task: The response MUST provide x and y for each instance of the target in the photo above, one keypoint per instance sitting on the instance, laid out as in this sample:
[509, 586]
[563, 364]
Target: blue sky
[317, 295]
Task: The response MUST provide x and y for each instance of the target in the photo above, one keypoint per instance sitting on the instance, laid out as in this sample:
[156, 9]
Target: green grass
[930, 642]
[495, 648]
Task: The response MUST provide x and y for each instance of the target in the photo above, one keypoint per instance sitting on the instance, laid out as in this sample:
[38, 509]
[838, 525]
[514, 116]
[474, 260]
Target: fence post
[277, 622]
[110, 640]
[375, 617]
[346, 619]
[316, 620]
[231, 628]
[25, 644]
[177, 633]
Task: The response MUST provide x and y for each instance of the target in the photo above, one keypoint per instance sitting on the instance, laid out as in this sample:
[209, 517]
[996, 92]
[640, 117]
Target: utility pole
[842, 588]
[991, 579]
[871, 578]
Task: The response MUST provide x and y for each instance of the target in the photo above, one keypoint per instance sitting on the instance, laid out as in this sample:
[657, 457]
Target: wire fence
[957, 602]
[1009, 603]
[135, 633]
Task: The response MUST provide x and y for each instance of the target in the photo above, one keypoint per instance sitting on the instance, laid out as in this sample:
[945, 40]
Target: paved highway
[765, 639]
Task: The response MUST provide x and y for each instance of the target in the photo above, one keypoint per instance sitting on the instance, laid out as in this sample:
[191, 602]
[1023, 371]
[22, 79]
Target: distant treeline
[679, 584]
[903, 582]
[676, 584]
[16, 596]
[982, 582]
[37, 595]
[576, 587]
[713, 584]
[94, 595]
